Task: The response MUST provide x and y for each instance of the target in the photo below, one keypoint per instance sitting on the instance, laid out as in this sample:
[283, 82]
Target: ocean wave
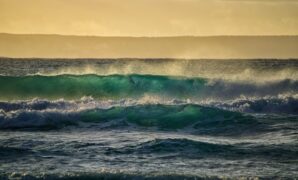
[246, 70]
[159, 149]
[189, 118]
[160, 116]
[265, 105]
[186, 120]
[74, 87]
[203, 117]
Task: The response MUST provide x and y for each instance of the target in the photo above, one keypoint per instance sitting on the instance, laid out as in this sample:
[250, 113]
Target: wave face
[148, 119]
[160, 116]
[103, 87]
[44, 114]
[136, 86]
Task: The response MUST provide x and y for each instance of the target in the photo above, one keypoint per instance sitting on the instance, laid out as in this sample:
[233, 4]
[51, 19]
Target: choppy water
[148, 119]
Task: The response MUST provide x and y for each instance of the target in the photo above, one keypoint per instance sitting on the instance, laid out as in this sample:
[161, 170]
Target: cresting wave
[165, 102]
[185, 119]
[161, 116]
[172, 115]
[280, 105]
[245, 70]
[74, 87]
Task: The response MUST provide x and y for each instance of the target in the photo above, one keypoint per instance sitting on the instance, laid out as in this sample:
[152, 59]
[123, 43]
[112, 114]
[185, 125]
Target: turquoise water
[209, 119]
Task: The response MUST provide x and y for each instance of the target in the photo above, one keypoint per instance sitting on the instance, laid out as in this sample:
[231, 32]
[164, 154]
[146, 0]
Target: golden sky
[150, 17]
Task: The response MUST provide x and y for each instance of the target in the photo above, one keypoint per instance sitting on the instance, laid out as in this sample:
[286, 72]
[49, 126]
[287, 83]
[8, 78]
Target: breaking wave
[162, 116]
[74, 87]
[172, 115]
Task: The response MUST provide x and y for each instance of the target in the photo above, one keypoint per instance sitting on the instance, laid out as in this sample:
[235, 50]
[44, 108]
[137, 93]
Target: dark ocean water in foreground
[148, 119]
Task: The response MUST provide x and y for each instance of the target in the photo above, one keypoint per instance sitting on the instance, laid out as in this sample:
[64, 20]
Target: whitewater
[148, 119]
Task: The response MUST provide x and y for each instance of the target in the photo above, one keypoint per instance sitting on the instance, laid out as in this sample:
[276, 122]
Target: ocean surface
[148, 119]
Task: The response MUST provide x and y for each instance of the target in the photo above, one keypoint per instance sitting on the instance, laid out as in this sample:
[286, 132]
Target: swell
[136, 86]
[185, 117]
[188, 148]
[163, 116]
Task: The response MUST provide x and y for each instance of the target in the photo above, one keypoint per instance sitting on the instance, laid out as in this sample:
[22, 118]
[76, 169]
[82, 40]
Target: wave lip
[259, 70]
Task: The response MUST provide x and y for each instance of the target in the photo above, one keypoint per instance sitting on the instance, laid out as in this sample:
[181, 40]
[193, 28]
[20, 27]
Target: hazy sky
[150, 17]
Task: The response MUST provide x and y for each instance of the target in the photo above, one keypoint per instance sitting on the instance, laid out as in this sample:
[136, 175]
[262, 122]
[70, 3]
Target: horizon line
[173, 36]
[136, 58]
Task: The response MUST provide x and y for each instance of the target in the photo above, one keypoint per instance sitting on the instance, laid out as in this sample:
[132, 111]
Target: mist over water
[148, 119]
[255, 70]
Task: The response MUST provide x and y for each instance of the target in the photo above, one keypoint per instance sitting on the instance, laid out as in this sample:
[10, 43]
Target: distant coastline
[177, 47]
[143, 59]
